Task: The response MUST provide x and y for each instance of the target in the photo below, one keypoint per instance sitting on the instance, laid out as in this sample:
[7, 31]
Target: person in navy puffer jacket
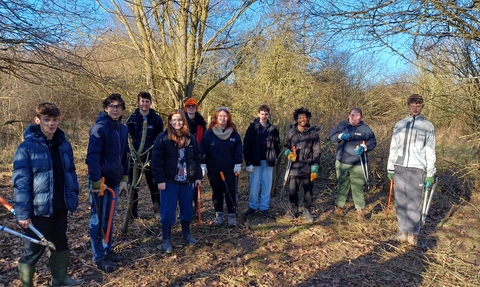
[45, 189]
[222, 151]
[108, 166]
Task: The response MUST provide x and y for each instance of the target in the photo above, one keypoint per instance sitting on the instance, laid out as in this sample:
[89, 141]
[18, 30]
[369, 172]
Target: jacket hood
[198, 120]
[34, 131]
[103, 117]
[151, 113]
[257, 122]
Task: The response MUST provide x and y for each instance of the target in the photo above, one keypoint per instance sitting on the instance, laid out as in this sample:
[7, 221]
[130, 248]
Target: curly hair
[301, 110]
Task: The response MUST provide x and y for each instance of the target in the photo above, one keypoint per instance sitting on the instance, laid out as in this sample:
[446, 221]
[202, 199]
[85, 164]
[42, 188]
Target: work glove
[237, 168]
[123, 187]
[250, 168]
[390, 175]
[313, 172]
[287, 152]
[204, 169]
[290, 156]
[358, 150]
[429, 180]
[97, 185]
[344, 136]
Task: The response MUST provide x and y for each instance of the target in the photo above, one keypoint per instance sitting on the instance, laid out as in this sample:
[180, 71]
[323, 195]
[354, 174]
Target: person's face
[48, 125]
[354, 117]
[222, 119]
[191, 109]
[263, 116]
[144, 104]
[415, 109]
[114, 110]
[176, 122]
[302, 120]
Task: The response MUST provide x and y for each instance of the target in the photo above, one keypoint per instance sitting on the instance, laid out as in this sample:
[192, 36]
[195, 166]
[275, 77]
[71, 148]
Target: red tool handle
[110, 217]
[389, 197]
[5, 203]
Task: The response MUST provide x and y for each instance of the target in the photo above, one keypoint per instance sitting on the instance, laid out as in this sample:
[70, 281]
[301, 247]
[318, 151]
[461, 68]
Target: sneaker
[113, 257]
[412, 239]
[250, 211]
[265, 213]
[232, 220]
[218, 219]
[307, 215]
[106, 266]
[360, 214]
[400, 237]
[338, 212]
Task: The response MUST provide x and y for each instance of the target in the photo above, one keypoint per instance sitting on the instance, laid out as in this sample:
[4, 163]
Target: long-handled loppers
[389, 197]
[364, 163]
[428, 198]
[43, 241]
[227, 191]
[99, 207]
[287, 171]
[199, 221]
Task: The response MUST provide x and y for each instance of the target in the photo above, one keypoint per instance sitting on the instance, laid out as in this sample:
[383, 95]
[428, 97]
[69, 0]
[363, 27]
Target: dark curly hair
[301, 110]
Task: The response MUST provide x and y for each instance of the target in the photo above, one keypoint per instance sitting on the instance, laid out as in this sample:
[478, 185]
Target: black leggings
[218, 188]
[295, 183]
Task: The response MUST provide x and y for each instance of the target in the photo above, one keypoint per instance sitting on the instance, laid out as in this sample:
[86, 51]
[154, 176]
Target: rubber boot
[166, 246]
[308, 216]
[186, 233]
[26, 272]
[59, 267]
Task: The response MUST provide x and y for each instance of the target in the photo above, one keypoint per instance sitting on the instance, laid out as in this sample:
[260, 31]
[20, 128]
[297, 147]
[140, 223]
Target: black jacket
[252, 141]
[308, 149]
[134, 124]
[197, 127]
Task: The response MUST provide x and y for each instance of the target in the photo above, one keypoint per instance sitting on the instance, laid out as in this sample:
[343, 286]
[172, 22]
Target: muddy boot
[232, 220]
[166, 246]
[58, 262]
[412, 239]
[293, 212]
[26, 272]
[360, 214]
[308, 215]
[399, 237]
[338, 212]
[186, 233]
[218, 219]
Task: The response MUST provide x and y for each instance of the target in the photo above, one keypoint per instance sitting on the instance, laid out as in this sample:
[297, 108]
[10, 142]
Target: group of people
[46, 186]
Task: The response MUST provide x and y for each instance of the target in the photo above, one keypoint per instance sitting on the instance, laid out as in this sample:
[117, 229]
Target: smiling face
[355, 117]
[48, 125]
[176, 122]
[222, 119]
[114, 110]
[302, 121]
[144, 106]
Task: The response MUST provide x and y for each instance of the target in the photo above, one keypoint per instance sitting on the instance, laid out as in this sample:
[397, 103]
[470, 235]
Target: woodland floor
[273, 252]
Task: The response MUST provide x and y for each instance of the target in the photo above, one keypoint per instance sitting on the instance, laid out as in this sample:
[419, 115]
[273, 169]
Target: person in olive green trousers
[45, 190]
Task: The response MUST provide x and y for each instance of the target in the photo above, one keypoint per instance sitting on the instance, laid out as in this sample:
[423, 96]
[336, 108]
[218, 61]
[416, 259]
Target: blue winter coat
[33, 175]
[107, 150]
[358, 133]
[221, 155]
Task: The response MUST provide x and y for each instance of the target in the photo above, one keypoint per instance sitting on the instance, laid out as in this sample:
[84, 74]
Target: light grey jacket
[413, 145]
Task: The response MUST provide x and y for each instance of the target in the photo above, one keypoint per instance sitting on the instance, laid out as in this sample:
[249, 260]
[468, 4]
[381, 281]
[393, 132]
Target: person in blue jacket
[108, 165]
[354, 138]
[176, 170]
[305, 161]
[222, 152]
[45, 189]
[261, 147]
[134, 123]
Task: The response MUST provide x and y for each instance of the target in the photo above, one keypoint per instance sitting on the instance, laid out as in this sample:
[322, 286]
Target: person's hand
[204, 169]
[344, 136]
[287, 152]
[391, 175]
[313, 172]
[97, 186]
[429, 180]
[123, 186]
[250, 168]
[358, 150]
[25, 223]
[161, 185]
[198, 182]
[292, 157]
[237, 168]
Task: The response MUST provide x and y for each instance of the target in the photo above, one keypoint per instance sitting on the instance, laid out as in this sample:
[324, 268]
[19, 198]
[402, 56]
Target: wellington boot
[166, 246]
[26, 272]
[186, 233]
[59, 267]
[232, 220]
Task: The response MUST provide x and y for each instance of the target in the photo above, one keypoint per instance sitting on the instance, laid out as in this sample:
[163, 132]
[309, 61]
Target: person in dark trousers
[45, 189]
[411, 163]
[134, 124]
[305, 163]
[176, 170]
[261, 147]
[354, 138]
[108, 165]
[222, 152]
[197, 127]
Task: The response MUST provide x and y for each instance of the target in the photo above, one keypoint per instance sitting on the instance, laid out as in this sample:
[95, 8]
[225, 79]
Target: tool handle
[102, 187]
[222, 175]
[7, 205]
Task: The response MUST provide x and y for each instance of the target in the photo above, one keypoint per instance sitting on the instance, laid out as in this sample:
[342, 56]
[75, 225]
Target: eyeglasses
[191, 106]
[114, 107]
[176, 121]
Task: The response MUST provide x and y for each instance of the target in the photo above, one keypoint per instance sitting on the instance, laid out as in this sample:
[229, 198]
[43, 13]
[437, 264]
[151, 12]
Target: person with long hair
[176, 170]
[222, 152]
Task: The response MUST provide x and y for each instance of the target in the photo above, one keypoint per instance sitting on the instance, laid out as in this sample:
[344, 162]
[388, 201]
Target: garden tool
[227, 191]
[363, 162]
[43, 241]
[389, 196]
[287, 171]
[428, 198]
[199, 221]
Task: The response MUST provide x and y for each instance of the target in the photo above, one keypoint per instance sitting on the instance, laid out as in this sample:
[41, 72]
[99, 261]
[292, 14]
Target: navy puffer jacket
[33, 175]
